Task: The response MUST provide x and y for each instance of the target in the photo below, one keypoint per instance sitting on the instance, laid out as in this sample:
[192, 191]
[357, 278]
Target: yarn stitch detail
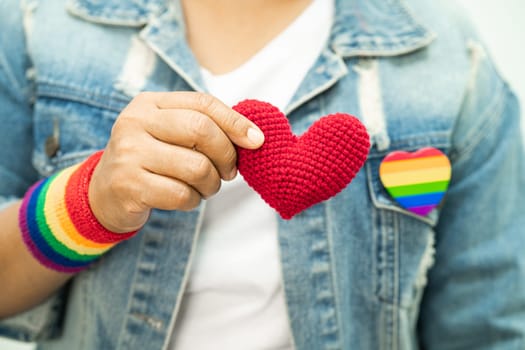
[292, 173]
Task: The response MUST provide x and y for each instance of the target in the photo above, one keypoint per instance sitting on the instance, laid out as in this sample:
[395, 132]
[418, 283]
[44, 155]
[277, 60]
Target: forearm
[79, 213]
[25, 282]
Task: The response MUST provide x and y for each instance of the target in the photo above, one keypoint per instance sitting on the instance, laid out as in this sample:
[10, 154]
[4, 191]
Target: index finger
[239, 129]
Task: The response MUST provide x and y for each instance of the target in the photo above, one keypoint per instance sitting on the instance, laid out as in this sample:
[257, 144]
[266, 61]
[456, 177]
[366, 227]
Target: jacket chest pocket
[66, 131]
[404, 240]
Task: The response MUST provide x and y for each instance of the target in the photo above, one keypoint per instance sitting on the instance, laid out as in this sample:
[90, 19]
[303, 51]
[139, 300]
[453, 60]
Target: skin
[223, 34]
[178, 145]
[179, 153]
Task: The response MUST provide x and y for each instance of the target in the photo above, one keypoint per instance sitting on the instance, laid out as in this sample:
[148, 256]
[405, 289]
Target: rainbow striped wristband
[57, 224]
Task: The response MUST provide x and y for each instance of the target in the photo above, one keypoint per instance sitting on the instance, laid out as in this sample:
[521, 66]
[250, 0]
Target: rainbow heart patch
[417, 181]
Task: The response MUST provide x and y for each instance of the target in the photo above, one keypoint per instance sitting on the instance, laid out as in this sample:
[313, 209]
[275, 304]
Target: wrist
[58, 225]
[108, 210]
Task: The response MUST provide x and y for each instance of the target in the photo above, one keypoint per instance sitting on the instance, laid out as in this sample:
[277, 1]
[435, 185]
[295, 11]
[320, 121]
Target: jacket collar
[361, 27]
[131, 13]
[376, 28]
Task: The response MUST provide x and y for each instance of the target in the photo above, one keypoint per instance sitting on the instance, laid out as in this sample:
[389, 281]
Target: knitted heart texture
[292, 173]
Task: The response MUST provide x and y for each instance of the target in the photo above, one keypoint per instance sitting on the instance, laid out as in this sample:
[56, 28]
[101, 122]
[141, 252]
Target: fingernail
[255, 136]
[232, 174]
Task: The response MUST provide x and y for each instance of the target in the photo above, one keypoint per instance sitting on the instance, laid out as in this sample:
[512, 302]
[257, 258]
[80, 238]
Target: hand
[167, 150]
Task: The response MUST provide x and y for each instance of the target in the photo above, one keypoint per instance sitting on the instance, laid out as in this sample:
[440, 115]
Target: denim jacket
[359, 271]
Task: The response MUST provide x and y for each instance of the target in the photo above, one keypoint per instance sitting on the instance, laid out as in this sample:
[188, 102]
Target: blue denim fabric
[360, 272]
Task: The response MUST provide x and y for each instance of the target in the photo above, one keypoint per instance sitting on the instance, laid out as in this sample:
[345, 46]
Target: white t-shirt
[234, 296]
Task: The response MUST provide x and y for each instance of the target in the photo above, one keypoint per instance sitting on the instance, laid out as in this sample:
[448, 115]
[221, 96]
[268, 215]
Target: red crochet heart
[293, 173]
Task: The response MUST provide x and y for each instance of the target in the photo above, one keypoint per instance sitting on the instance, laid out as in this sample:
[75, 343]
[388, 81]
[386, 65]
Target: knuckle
[125, 122]
[201, 169]
[184, 197]
[238, 124]
[230, 156]
[205, 102]
[123, 145]
[126, 137]
[180, 195]
[200, 126]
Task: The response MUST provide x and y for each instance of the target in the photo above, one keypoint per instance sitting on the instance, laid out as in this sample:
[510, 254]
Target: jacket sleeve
[475, 297]
[16, 146]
